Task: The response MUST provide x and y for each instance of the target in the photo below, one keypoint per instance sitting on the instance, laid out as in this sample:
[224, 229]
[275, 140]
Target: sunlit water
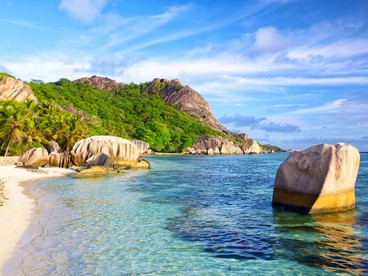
[189, 215]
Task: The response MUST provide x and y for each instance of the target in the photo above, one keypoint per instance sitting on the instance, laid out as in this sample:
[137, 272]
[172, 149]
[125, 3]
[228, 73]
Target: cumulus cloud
[259, 123]
[83, 10]
[238, 120]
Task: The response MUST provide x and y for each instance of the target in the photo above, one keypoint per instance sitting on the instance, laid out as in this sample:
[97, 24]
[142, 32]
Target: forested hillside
[129, 112]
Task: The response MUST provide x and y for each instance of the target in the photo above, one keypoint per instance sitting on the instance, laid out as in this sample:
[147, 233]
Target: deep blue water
[189, 215]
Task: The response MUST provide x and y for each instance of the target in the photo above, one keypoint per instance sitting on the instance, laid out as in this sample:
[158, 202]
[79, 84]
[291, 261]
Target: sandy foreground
[16, 209]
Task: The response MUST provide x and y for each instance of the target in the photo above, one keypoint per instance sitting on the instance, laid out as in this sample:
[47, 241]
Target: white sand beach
[16, 208]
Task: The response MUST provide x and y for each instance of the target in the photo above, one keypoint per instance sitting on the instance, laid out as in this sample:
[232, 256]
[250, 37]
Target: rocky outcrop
[185, 99]
[251, 147]
[102, 83]
[118, 149]
[36, 157]
[12, 89]
[220, 145]
[53, 147]
[213, 146]
[319, 179]
[72, 110]
[100, 159]
[60, 160]
[142, 146]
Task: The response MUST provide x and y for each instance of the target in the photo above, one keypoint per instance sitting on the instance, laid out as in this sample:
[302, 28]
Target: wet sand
[16, 209]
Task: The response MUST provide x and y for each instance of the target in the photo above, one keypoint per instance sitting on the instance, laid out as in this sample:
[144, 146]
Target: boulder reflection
[329, 241]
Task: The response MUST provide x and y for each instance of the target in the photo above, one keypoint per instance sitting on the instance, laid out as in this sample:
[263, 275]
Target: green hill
[128, 112]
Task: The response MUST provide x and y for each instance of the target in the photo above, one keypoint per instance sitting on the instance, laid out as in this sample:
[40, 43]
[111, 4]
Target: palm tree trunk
[7, 148]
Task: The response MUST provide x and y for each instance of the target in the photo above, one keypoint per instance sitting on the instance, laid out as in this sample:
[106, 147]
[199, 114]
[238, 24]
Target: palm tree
[14, 118]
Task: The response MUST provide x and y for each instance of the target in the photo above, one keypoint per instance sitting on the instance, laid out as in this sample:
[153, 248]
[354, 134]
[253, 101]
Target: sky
[291, 73]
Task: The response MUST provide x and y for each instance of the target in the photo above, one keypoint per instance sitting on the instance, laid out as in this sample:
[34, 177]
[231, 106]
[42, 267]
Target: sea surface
[189, 215]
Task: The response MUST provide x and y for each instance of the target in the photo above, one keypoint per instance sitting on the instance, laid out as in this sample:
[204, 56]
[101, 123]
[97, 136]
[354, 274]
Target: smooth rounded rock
[319, 179]
[38, 157]
[118, 149]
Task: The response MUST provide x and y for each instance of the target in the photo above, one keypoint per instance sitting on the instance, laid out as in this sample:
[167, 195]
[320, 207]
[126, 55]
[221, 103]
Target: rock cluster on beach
[109, 152]
[319, 179]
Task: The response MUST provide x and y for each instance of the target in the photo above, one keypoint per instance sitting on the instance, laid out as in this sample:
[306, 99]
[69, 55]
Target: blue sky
[292, 73]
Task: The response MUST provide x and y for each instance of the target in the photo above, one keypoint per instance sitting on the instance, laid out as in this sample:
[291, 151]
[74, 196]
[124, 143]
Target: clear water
[189, 215]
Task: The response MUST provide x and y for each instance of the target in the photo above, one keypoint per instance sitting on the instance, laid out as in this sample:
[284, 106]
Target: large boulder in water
[37, 157]
[118, 149]
[317, 180]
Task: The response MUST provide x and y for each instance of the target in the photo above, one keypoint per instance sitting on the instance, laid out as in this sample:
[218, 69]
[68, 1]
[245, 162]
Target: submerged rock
[95, 171]
[317, 180]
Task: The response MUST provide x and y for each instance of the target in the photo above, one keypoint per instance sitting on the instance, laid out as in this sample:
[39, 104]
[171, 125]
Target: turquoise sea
[189, 215]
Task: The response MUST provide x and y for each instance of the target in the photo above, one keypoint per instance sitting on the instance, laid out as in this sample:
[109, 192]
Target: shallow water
[189, 215]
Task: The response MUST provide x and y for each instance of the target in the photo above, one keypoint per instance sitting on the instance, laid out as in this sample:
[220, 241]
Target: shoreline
[16, 208]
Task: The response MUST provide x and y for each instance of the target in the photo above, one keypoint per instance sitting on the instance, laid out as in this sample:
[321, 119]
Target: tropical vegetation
[24, 125]
[130, 113]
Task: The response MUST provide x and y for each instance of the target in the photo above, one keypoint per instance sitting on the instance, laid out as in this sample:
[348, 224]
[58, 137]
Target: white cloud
[333, 106]
[50, 67]
[269, 39]
[83, 10]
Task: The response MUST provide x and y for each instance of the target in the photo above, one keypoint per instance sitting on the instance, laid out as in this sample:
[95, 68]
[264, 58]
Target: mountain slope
[129, 112]
[185, 99]
[167, 115]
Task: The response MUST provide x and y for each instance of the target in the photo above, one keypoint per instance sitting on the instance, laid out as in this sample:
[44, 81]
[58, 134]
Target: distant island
[166, 114]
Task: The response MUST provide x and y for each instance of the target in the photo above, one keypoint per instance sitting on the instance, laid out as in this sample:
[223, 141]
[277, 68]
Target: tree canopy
[24, 125]
[130, 113]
